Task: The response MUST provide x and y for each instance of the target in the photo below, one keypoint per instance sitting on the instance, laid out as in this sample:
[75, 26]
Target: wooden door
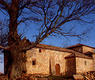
[57, 69]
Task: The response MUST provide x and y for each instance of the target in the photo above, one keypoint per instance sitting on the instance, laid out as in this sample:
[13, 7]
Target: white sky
[1, 62]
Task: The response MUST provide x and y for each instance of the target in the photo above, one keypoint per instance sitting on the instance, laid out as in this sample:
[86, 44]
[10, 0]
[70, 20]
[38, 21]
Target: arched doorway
[57, 69]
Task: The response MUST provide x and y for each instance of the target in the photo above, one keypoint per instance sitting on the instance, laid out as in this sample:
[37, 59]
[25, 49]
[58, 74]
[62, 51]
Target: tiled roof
[80, 55]
[74, 53]
[79, 45]
[43, 46]
[88, 52]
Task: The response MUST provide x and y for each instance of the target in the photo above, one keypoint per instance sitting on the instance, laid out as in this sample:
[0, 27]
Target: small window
[40, 50]
[34, 62]
[85, 63]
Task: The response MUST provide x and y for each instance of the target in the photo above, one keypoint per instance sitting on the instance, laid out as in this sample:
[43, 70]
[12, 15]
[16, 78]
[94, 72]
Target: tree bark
[15, 56]
[14, 14]
[17, 65]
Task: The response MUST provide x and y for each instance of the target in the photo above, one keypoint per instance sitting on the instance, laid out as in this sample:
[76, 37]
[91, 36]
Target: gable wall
[82, 49]
[86, 49]
[39, 67]
[45, 61]
[94, 61]
[84, 65]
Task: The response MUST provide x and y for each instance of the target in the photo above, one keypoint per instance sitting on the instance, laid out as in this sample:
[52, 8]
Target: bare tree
[3, 35]
[52, 14]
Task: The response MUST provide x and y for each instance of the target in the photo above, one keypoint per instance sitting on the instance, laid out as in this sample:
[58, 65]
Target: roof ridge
[79, 45]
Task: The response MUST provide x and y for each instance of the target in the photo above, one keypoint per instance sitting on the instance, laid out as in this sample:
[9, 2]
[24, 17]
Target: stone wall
[86, 49]
[37, 62]
[78, 49]
[45, 61]
[84, 65]
[57, 58]
[94, 61]
[52, 62]
[70, 66]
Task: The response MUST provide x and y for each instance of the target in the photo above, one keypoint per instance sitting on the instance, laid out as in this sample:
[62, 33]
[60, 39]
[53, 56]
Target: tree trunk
[17, 66]
[16, 57]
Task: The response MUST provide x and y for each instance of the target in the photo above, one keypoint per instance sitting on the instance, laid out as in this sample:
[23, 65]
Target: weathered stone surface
[89, 75]
[46, 61]
[84, 65]
[3, 77]
[70, 66]
[78, 77]
[86, 49]
[43, 61]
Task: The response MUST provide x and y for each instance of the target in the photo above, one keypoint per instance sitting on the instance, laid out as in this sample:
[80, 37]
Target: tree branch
[2, 2]
[5, 48]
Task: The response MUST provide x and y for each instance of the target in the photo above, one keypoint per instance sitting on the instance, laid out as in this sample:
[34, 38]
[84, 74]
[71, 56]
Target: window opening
[34, 62]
